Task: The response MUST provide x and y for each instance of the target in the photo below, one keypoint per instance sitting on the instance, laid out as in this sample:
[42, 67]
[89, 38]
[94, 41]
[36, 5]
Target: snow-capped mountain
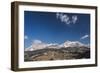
[73, 44]
[37, 44]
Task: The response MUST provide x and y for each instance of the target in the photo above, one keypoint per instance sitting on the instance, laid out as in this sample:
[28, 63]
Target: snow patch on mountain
[73, 44]
[37, 44]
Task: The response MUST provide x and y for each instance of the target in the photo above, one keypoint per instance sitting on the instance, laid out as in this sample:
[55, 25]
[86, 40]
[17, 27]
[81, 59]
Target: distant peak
[73, 44]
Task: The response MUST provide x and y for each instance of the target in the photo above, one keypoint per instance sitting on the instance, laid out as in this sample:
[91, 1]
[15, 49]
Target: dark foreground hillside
[57, 54]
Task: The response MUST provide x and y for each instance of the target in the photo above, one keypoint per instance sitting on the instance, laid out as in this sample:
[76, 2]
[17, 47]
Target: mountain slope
[57, 54]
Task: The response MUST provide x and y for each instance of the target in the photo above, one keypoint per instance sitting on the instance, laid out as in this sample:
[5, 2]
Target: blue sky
[56, 27]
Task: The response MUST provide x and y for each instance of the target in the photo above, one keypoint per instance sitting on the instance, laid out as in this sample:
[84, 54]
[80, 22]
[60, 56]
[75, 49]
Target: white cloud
[57, 15]
[25, 37]
[38, 44]
[74, 19]
[67, 19]
[85, 36]
[37, 41]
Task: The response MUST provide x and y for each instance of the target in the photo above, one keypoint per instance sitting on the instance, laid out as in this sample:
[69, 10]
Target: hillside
[63, 53]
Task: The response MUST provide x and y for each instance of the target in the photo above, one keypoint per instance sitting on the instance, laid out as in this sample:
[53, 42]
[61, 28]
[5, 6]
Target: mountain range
[37, 44]
[40, 51]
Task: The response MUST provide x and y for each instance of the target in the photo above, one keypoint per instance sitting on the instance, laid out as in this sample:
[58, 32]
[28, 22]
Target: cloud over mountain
[37, 41]
[37, 44]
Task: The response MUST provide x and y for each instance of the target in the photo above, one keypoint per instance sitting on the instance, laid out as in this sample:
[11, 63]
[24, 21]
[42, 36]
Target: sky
[56, 27]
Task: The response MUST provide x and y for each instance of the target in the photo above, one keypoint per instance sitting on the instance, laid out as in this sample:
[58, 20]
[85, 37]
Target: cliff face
[57, 54]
